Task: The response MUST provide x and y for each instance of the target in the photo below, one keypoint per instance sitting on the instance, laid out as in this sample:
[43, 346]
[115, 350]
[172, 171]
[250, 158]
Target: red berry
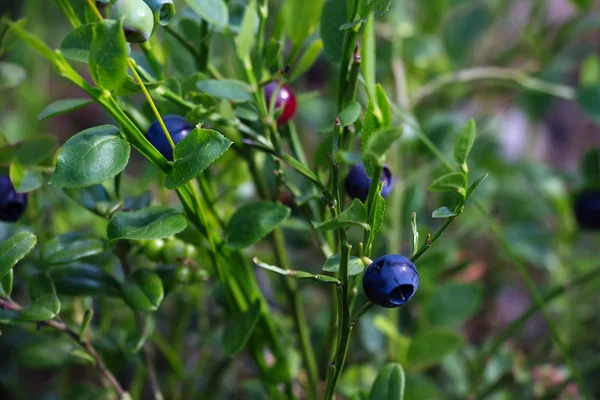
[285, 99]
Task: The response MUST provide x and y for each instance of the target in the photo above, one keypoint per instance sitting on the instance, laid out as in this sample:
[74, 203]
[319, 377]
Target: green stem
[156, 66]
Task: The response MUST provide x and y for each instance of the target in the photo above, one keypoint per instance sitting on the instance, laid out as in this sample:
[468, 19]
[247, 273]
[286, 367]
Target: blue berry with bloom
[391, 280]
[358, 182]
[177, 127]
[12, 204]
[587, 209]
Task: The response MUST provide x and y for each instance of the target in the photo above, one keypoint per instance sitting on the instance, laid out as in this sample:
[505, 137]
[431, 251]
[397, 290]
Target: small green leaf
[29, 151]
[453, 181]
[355, 215]
[76, 46]
[14, 249]
[475, 185]
[379, 212]
[588, 98]
[93, 198]
[228, 89]
[254, 221]
[131, 87]
[350, 114]
[310, 56]
[61, 107]
[213, 11]
[24, 180]
[11, 75]
[384, 106]
[194, 154]
[108, 55]
[90, 157]
[238, 330]
[415, 232]
[453, 303]
[429, 347]
[332, 17]
[6, 283]
[71, 247]
[380, 142]
[146, 224]
[45, 304]
[464, 143]
[84, 280]
[245, 39]
[389, 384]
[301, 17]
[144, 291]
[355, 265]
[443, 212]
[83, 355]
[589, 74]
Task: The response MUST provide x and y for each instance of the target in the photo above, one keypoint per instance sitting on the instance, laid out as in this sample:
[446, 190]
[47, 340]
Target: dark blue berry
[358, 182]
[178, 129]
[587, 209]
[12, 204]
[391, 280]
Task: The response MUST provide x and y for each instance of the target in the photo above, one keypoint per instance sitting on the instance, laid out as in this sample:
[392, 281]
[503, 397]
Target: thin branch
[493, 73]
[59, 325]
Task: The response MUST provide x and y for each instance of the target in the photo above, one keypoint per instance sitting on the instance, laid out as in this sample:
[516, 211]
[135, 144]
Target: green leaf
[29, 151]
[71, 247]
[355, 215]
[93, 198]
[310, 56]
[194, 154]
[61, 107]
[355, 265]
[144, 291]
[588, 98]
[108, 55]
[453, 181]
[475, 185]
[443, 212]
[24, 180]
[84, 280]
[384, 106]
[228, 89]
[589, 74]
[301, 18]
[332, 17]
[45, 304]
[76, 46]
[429, 347]
[380, 142]
[389, 384]
[146, 224]
[11, 75]
[32, 40]
[245, 39]
[419, 387]
[14, 249]
[453, 303]
[90, 157]
[254, 221]
[415, 232]
[464, 143]
[238, 330]
[213, 11]
[6, 283]
[463, 29]
[368, 57]
[350, 114]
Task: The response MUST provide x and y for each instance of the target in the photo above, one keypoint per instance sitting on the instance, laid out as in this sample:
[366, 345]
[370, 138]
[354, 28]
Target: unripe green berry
[138, 20]
[199, 276]
[153, 249]
[183, 274]
[190, 252]
[174, 251]
[163, 10]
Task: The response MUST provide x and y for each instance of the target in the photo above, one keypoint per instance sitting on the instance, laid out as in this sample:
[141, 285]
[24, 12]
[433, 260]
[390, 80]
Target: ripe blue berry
[138, 20]
[285, 99]
[164, 10]
[358, 182]
[587, 209]
[391, 280]
[178, 129]
[12, 204]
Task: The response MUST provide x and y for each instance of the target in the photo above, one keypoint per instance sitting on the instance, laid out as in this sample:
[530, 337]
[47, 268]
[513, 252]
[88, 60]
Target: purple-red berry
[285, 101]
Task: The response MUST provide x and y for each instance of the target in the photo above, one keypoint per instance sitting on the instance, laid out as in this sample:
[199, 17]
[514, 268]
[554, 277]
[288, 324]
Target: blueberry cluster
[140, 17]
[12, 204]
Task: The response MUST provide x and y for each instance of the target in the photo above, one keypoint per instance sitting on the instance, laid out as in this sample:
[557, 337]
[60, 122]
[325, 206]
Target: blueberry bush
[299, 199]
